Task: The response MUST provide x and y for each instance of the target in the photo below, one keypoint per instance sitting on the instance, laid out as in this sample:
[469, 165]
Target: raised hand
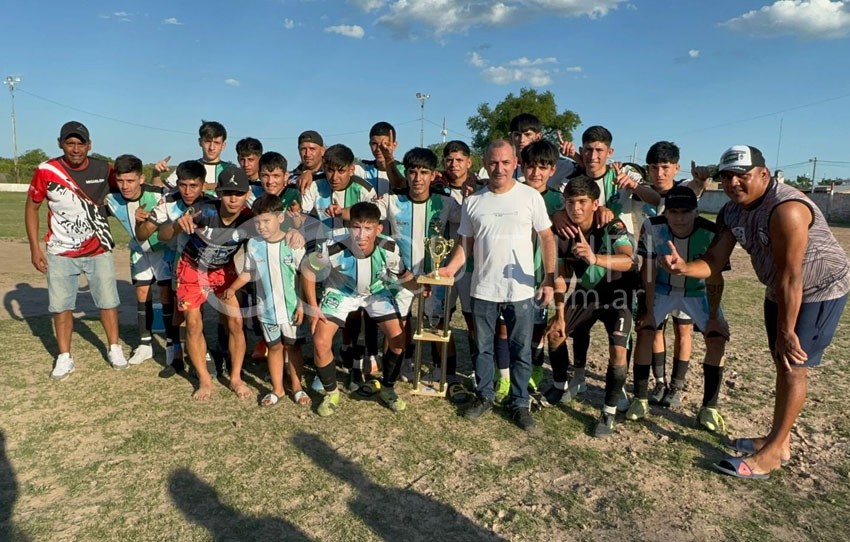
[142, 213]
[673, 263]
[161, 166]
[583, 250]
[700, 173]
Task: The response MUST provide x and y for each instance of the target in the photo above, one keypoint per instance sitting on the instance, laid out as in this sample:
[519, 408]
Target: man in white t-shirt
[495, 228]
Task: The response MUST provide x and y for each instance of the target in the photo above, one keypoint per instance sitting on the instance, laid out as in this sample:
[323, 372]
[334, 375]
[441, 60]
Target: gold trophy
[438, 247]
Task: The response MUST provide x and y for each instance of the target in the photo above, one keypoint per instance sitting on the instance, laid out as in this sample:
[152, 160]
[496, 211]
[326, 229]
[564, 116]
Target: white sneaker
[143, 353]
[407, 370]
[64, 366]
[116, 358]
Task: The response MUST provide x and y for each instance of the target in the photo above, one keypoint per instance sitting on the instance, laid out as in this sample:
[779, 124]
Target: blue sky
[707, 75]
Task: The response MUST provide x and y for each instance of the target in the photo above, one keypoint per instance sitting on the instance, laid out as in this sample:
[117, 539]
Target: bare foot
[759, 442]
[301, 398]
[241, 390]
[203, 393]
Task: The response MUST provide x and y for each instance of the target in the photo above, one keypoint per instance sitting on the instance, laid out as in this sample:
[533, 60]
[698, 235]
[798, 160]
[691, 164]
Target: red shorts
[194, 285]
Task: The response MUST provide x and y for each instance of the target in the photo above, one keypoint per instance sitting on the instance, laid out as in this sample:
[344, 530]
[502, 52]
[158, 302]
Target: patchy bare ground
[108, 456]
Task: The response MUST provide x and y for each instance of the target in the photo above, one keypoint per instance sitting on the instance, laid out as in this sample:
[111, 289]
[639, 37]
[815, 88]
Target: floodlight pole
[422, 98]
[13, 80]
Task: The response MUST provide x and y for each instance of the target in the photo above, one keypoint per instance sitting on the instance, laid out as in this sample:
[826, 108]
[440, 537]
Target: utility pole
[13, 80]
[814, 162]
[444, 132]
[422, 97]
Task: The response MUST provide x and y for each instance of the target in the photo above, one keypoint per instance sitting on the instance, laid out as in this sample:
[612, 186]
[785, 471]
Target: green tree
[489, 124]
[801, 182]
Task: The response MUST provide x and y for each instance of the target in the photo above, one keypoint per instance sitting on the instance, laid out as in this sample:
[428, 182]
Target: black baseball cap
[233, 179]
[680, 197]
[311, 136]
[740, 159]
[74, 128]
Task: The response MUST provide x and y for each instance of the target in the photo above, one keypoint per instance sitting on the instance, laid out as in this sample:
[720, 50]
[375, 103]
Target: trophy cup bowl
[438, 247]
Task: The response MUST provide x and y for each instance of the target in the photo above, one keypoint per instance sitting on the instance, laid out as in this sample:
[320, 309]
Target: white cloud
[121, 14]
[801, 18]
[574, 69]
[288, 24]
[693, 53]
[503, 75]
[368, 5]
[450, 16]
[525, 61]
[231, 82]
[347, 30]
[172, 20]
[476, 60]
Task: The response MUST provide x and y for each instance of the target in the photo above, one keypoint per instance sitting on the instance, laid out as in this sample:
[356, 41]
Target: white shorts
[677, 305]
[404, 300]
[336, 306]
[150, 267]
[282, 333]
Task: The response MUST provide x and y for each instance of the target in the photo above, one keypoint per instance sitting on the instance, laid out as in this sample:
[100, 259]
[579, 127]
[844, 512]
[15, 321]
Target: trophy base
[438, 281]
[433, 336]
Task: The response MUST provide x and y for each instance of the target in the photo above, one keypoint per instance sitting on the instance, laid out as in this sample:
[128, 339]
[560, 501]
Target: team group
[548, 240]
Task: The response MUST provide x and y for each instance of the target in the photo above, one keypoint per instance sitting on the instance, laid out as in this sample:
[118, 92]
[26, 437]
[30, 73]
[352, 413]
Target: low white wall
[14, 187]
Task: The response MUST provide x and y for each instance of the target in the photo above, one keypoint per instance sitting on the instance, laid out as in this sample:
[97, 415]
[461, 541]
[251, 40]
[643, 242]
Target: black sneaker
[673, 398]
[552, 396]
[479, 407]
[522, 417]
[604, 426]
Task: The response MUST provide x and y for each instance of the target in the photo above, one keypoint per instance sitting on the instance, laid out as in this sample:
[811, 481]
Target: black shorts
[617, 320]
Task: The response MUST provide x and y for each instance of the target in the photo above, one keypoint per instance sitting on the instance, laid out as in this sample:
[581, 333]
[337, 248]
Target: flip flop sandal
[737, 467]
[270, 400]
[747, 446]
[299, 395]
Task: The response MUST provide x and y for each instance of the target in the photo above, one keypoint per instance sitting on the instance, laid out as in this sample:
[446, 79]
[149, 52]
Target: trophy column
[424, 335]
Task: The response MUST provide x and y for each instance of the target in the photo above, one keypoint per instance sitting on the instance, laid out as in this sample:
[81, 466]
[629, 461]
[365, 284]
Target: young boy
[173, 205]
[539, 161]
[413, 216]
[150, 259]
[273, 266]
[526, 129]
[662, 161]
[271, 170]
[681, 225]
[324, 201]
[600, 258]
[357, 271]
[212, 138]
[216, 230]
[248, 153]
[382, 172]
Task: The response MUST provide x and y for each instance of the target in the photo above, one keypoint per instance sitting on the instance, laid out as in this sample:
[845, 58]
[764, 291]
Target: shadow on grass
[8, 495]
[391, 513]
[27, 303]
[199, 503]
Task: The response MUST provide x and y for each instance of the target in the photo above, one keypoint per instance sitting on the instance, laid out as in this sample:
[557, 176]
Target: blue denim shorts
[816, 325]
[63, 281]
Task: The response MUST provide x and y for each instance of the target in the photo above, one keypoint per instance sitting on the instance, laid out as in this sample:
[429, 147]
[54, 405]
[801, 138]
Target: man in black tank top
[807, 276]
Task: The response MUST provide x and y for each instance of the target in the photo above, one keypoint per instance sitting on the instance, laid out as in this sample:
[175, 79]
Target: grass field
[111, 455]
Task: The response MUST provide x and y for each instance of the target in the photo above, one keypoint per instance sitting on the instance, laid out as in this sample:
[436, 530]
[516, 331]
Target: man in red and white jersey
[78, 240]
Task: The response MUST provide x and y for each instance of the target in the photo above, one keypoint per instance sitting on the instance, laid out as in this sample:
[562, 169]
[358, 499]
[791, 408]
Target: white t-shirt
[501, 225]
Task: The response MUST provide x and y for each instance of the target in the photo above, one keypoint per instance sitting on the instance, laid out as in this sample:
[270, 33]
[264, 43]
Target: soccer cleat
[553, 396]
[604, 426]
[711, 419]
[503, 389]
[638, 409]
[673, 398]
[329, 404]
[576, 387]
[64, 366]
[522, 417]
[390, 398]
[142, 353]
[657, 394]
[479, 407]
[537, 376]
[116, 358]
